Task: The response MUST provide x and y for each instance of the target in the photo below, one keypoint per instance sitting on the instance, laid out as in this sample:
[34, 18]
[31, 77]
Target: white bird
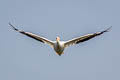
[58, 45]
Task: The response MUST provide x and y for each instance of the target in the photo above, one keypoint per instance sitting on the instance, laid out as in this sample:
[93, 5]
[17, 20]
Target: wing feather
[84, 38]
[34, 36]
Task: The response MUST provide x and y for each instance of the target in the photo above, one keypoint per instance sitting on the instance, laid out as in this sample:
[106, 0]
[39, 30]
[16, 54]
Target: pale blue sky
[23, 58]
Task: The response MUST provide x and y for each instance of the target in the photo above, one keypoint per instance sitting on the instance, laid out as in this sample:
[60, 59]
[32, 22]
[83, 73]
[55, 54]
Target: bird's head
[57, 39]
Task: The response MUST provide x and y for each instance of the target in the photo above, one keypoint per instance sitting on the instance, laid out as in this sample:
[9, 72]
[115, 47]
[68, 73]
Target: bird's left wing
[34, 36]
[84, 38]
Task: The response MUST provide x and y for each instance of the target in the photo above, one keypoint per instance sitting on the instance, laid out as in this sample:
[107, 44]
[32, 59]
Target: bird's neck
[58, 42]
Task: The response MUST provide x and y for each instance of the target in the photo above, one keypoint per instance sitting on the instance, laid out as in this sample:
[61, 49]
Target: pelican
[58, 45]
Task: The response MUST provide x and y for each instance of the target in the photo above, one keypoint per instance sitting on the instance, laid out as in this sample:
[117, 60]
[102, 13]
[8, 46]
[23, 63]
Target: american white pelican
[58, 45]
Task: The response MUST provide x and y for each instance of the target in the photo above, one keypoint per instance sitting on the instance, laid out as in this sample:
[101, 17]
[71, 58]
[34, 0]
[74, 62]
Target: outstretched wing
[34, 36]
[84, 38]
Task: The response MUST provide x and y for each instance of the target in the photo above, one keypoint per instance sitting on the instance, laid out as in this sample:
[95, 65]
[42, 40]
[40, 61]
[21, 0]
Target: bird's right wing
[34, 36]
[84, 38]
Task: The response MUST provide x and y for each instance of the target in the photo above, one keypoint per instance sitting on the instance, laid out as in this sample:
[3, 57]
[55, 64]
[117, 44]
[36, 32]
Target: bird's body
[58, 45]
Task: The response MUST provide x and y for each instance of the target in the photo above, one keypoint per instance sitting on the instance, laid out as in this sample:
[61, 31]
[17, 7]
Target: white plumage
[58, 45]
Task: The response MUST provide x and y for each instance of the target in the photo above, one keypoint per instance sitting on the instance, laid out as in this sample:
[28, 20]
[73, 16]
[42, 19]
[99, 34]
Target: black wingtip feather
[107, 30]
[95, 34]
[13, 27]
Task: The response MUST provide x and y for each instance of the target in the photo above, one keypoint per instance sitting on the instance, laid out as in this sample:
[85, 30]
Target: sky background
[23, 58]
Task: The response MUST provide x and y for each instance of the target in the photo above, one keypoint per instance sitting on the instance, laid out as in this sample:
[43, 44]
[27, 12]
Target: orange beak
[58, 39]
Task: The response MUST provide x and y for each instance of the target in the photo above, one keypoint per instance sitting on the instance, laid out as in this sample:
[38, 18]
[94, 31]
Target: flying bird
[59, 45]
